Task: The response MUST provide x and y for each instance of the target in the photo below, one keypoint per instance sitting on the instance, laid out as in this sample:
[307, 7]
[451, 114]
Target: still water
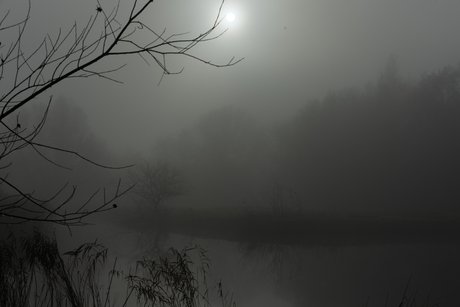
[277, 275]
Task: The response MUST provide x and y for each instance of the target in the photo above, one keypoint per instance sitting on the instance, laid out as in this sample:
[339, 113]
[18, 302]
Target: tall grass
[34, 273]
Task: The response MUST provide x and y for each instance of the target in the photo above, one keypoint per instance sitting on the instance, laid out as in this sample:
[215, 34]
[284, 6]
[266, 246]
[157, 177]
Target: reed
[34, 273]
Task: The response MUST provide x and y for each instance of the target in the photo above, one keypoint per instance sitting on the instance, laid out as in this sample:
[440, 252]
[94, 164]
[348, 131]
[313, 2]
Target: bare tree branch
[24, 75]
[115, 39]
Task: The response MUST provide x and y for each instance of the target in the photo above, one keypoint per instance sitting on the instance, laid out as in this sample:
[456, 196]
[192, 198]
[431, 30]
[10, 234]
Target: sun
[230, 17]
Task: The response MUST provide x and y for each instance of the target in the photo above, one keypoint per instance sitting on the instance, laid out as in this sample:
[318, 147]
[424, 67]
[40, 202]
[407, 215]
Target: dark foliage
[393, 146]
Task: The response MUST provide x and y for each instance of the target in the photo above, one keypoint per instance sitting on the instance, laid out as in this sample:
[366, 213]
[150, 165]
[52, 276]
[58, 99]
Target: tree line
[388, 146]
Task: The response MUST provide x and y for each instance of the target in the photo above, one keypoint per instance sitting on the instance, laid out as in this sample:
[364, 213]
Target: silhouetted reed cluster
[34, 273]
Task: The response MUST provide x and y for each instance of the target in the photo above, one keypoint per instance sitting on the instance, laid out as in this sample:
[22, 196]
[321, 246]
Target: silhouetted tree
[223, 155]
[441, 87]
[390, 85]
[156, 183]
[26, 74]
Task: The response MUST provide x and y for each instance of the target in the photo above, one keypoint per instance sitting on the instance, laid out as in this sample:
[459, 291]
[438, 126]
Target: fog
[295, 49]
[320, 170]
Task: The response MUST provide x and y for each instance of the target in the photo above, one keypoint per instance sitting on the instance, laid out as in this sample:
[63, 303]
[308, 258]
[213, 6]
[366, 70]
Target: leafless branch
[23, 207]
[26, 74]
[54, 61]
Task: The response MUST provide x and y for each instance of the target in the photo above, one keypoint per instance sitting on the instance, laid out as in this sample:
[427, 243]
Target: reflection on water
[279, 261]
[270, 275]
[281, 275]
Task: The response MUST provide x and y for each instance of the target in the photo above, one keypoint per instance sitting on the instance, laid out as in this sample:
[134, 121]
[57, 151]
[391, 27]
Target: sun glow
[230, 17]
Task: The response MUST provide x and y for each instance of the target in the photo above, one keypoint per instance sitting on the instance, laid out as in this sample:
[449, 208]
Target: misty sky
[294, 51]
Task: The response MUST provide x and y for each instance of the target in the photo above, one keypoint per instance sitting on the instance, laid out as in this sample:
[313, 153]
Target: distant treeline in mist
[388, 146]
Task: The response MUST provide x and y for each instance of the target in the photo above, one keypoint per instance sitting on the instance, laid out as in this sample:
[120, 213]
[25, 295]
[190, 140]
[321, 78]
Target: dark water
[345, 276]
[277, 275]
